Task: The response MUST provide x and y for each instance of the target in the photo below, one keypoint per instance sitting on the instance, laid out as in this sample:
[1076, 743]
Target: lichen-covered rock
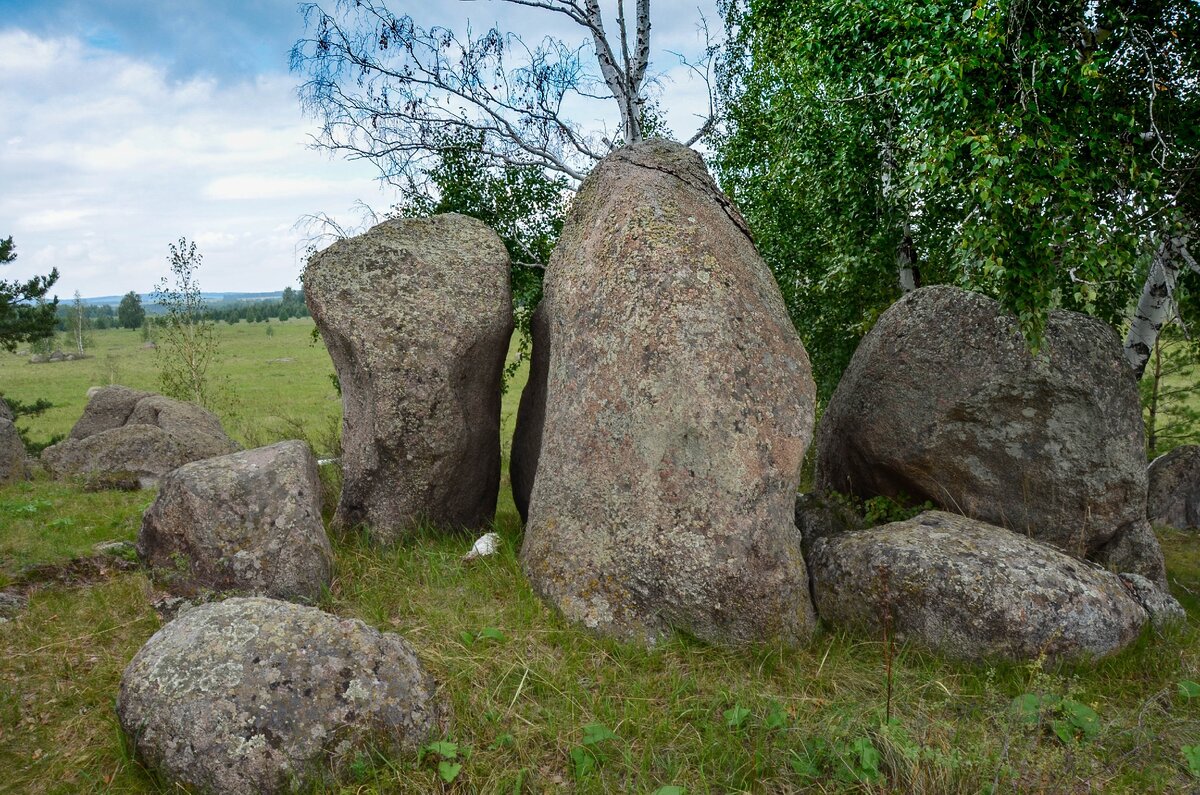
[248, 522]
[1164, 610]
[417, 315]
[527, 435]
[943, 402]
[253, 695]
[1174, 495]
[1135, 550]
[107, 408]
[6, 412]
[971, 591]
[678, 407]
[13, 465]
[128, 435]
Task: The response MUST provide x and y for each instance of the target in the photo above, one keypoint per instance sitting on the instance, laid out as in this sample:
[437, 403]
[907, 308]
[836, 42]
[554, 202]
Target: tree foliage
[25, 315]
[130, 312]
[1029, 150]
[523, 204]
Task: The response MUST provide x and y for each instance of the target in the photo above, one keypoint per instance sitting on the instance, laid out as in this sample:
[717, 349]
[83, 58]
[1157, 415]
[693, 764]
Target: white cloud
[107, 160]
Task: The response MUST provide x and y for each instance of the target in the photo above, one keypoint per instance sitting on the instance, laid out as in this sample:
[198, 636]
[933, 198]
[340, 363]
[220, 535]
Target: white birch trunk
[1156, 306]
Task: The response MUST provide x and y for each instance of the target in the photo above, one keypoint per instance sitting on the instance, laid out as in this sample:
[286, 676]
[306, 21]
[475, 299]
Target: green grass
[529, 691]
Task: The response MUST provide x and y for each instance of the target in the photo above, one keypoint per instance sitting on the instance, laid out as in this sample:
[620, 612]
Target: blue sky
[129, 124]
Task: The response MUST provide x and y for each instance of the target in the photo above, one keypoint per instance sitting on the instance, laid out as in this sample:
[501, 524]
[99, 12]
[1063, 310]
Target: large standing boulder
[128, 435]
[248, 522]
[678, 407]
[417, 315]
[13, 465]
[972, 591]
[1174, 495]
[943, 402]
[6, 412]
[260, 696]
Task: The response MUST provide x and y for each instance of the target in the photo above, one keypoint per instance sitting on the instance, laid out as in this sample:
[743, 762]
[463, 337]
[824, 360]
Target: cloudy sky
[127, 124]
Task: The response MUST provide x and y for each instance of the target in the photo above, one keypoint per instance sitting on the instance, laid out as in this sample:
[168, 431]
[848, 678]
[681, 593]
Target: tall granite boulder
[943, 401]
[13, 462]
[129, 435]
[6, 412]
[531, 413]
[1174, 495]
[678, 407]
[417, 315]
[248, 523]
[254, 695]
[973, 591]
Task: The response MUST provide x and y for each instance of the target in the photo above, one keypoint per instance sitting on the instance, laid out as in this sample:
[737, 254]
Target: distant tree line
[289, 306]
[131, 313]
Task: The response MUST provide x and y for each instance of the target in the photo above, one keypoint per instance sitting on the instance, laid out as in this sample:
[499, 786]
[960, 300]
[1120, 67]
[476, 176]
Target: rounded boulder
[248, 523]
[253, 695]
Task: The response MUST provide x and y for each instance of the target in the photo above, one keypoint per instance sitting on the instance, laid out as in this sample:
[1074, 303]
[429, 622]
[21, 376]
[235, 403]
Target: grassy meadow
[541, 706]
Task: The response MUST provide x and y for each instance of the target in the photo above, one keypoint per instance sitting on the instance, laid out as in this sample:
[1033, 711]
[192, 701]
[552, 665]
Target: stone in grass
[417, 315]
[254, 695]
[1174, 498]
[127, 438]
[249, 522]
[972, 591]
[13, 461]
[678, 405]
[943, 402]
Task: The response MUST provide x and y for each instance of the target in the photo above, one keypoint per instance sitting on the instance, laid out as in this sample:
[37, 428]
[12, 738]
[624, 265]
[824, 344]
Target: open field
[526, 687]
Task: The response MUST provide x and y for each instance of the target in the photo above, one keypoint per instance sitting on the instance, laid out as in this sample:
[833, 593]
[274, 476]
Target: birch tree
[390, 91]
[1040, 152]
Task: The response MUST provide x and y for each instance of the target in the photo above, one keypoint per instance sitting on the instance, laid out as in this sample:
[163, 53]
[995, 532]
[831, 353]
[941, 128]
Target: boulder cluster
[656, 461]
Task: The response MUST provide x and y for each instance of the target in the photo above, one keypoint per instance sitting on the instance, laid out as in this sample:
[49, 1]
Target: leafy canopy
[1028, 148]
[25, 315]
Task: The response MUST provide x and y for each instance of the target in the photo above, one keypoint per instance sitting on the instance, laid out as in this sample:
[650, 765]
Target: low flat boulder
[248, 523]
[1174, 497]
[972, 591]
[128, 435]
[255, 695]
[13, 466]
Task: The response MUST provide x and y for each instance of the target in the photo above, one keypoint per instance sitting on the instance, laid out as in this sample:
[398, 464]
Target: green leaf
[503, 741]
[1063, 730]
[670, 789]
[467, 638]
[448, 771]
[868, 756]
[596, 733]
[777, 718]
[1081, 717]
[491, 633]
[443, 748]
[1189, 689]
[735, 716]
[1026, 707]
[582, 761]
[1191, 755]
